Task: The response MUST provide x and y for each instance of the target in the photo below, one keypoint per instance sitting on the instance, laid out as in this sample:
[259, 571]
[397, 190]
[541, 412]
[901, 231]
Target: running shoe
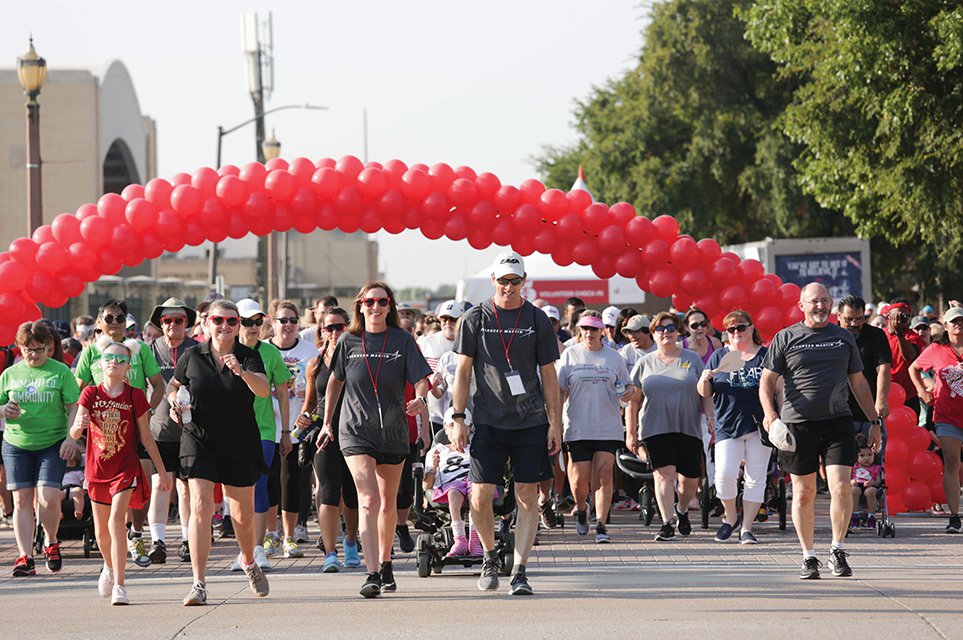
[216, 521]
[24, 566]
[236, 563]
[519, 585]
[938, 510]
[352, 559]
[197, 596]
[118, 596]
[489, 574]
[261, 559]
[227, 528]
[667, 532]
[460, 548]
[372, 585]
[548, 517]
[838, 563]
[747, 537]
[475, 547]
[105, 582]
[184, 551]
[301, 533]
[271, 543]
[405, 541]
[810, 568]
[331, 564]
[685, 527]
[601, 534]
[388, 582]
[158, 552]
[138, 551]
[52, 554]
[581, 523]
[256, 579]
[954, 525]
[871, 521]
[724, 532]
[291, 549]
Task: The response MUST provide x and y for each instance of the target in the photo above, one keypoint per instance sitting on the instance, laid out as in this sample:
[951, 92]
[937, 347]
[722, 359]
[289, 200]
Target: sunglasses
[247, 322]
[116, 357]
[512, 281]
[590, 329]
[666, 328]
[370, 302]
[112, 319]
[219, 320]
[170, 320]
[331, 328]
[287, 320]
[902, 317]
[737, 328]
[699, 325]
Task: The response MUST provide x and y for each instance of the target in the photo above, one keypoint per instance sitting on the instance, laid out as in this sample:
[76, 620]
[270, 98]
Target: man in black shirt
[877, 358]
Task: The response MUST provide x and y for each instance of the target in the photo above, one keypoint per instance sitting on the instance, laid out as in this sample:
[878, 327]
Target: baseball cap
[508, 263]
[928, 309]
[552, 312]
[131, 321]
[900, 306]
[590, 321]
[637, 323]
[952, 314]
[919, 321]
[450, 309]
[248, 308]
[610, 315]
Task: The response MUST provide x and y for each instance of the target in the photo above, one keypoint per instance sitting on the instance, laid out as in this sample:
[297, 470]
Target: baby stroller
[774, 497]
[638, 472]
[70, 527]
[437, 536]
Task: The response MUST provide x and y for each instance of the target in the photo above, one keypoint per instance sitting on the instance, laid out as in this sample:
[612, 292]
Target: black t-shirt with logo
[873, 351]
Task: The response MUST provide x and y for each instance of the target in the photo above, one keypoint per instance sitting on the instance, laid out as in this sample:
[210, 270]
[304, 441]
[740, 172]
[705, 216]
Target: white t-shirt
[296, 359]
[433, 347]
[452, 465]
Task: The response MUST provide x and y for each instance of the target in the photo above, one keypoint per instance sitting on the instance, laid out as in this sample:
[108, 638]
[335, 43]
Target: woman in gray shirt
[671, 431]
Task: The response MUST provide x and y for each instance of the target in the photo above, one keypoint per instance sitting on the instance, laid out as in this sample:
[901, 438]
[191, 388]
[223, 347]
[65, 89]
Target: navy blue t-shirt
[735, 396]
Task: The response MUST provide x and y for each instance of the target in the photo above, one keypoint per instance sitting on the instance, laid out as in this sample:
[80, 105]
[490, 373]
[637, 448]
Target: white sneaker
[105, 583]
[271, 544]
[261, 559]
[300, 533]
[291, 549]
[119, 595]
[236, 565]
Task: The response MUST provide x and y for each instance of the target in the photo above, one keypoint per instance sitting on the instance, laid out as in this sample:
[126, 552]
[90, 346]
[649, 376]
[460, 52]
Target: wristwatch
[876, 423]
[151, 410]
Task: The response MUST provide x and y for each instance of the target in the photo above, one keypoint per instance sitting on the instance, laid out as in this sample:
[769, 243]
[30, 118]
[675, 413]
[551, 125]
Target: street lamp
[32, 70]
[271, 148]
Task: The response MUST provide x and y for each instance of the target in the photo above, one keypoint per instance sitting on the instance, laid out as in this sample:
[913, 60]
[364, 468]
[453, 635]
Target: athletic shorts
[947, 430]
[27, 469]
[832, 440]
[262, 496]
[491, 449]
[585, 450]
[675, 450]
[379, 458]
[170, 453]
[104, 492]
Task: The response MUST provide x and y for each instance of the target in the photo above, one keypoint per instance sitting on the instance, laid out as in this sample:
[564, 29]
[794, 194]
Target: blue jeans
[28, 469]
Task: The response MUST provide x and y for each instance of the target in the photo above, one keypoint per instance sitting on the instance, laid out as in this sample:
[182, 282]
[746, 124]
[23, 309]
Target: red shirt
[112, 437]
[900, 366]
[948, 366]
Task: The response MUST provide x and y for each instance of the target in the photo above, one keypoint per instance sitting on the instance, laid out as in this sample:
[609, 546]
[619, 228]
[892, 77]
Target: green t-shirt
[277, 373]
[143, 365]
[43, 394]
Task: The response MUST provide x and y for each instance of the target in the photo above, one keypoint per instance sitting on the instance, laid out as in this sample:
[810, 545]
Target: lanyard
[374, 378]
[501, 332]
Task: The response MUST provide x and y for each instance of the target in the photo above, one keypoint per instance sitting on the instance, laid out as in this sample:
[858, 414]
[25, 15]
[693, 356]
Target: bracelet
[458, 414]
[424, 400]
[285, 431]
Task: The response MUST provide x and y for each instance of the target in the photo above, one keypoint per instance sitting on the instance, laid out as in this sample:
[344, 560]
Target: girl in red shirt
[115, 417]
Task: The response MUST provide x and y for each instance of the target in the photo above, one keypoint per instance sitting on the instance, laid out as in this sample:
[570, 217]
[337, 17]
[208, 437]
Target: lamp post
[262, 157]
[271, 149]
[32, 70]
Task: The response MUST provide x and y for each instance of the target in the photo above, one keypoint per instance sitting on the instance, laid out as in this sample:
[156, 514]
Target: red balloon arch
[211, 205]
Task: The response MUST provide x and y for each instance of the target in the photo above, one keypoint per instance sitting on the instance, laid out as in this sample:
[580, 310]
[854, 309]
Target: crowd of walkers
[241, 422]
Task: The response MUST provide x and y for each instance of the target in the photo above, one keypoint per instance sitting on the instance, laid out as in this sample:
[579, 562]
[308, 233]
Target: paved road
[907, 588]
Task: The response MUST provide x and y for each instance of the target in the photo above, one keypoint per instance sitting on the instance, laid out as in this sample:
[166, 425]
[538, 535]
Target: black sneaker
[954, 525]
[667, 532]
[549, 519]
[810, 568]
[685, 527]
[519, 585]
[489, 574]
[372, 585]
[837, 560]
[227, 528]
[581, 523]
[158, 552]
[405, 541]
[724, 532]
[184, 551]
[387, 574]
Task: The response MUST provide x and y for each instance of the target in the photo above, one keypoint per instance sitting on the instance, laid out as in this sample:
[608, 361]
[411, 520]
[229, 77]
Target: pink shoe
[460, 548]
[475, 545]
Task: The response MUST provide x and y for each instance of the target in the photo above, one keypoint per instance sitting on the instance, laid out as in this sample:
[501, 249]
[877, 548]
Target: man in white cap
[636, 329]
[433, 347]
[509, 345]
[610, 317]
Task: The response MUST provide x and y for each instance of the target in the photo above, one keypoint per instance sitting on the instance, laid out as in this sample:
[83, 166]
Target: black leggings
[406, 489]
[334, 478]
[295, 487]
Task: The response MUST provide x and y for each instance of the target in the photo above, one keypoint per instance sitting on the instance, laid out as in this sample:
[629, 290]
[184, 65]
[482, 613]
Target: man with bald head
[819, 363]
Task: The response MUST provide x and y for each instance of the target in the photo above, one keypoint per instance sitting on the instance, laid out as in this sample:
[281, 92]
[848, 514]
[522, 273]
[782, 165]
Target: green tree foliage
[691, 130]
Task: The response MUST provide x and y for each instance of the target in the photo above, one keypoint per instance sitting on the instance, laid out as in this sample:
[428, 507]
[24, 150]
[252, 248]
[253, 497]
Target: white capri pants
[729, 455]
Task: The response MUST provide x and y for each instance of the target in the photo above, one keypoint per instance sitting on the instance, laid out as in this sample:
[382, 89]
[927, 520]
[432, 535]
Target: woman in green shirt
[38, 398]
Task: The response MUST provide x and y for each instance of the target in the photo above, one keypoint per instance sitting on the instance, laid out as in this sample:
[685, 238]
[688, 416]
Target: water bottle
[619, 390]
[183, 399]
[298, 431]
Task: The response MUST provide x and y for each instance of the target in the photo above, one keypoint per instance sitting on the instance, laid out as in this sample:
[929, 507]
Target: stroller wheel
[507, 555]
[88, 543]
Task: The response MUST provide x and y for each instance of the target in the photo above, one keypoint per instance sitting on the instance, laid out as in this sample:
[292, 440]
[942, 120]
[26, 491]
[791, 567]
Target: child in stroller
[76, 517]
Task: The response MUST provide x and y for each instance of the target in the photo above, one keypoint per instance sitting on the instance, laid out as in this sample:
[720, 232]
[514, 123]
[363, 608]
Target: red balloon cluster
[914, 475]
[230, 202]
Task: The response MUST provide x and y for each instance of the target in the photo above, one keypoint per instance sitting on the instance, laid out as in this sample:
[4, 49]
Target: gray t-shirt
[161, 426]
[531, 343]
[592, 409]
[631, 354]
[671, 403]
[391, 359]
[815, 364]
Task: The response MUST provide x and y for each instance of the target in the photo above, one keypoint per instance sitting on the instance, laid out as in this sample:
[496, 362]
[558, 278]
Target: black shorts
[585, 450]
[233, 473]
[491, 449]
[675, 450]
[170, 454]
[334, 479]
[295, 482]
[274, 479]
[379, 458]
[832, 440]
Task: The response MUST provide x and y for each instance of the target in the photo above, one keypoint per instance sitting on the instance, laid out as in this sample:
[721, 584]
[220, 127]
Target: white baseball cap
[248, 308]
[610, 316]
[508, 263]
[450, 309]
[552, 312]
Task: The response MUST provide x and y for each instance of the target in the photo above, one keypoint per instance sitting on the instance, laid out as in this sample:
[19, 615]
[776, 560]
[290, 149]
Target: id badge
[515, 385]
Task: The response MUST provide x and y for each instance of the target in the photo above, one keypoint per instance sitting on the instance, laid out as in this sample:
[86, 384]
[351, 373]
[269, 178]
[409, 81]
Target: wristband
[458, 414]
[876, 423]
[424, 400]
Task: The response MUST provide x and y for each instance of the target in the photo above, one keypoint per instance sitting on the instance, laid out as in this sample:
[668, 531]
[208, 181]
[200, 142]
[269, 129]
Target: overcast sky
[480, 84]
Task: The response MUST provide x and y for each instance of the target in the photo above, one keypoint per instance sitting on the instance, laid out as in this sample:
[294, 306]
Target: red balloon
[709, 251]
[205, 180]
[793, 315]
[302, 169]
[393, 221]
[569, 227]
[623, 213]
[667, 228]
[214, 218]
[639, 231]
[284, 220]
[394, 170]
[233, 191]
[545, 239]
[723, 273]
[41, 286]
[186, 200]
[328, 217]
[733, 297]
[465, 172]
[562, 254]
[111, 206]
[918, 439]
[488, 185]
[279, 185]
[612, 239]
[764, 290]
[897, 451]
[276, 164]
[193, 232]
[349, 202]
[253, 173]
[604, 267]
[415, 184]
[532, 190]
[71, 285]
[682, 301]
[82, 257]
[180, 178]
[553, 204]
[896, 476]
[370, 220]
[629, 263]
[900, 421]
[433, 229]
[372, 182]
[894, 503]
[507, 199]
[132, 192]
[896, 396]
[655, 255]
[662, 283]
[937, 493]
[524, 246]
[683, 254]
[694, 282]
[482, 216]
[479, 238]
[257, 207]
[578, 200]
[437, 207]
[229, 170]
[305, 205]
[13, 277]
[66, 229]
[707, 302]
[751, 270]
[769, 320]
[393, 204]
[916, 496]
[52, 257]
[141, 215]
[43, 234]
[441, 176]
[463, 193]
[527, 219]
[595, 218]
[585, 251]
[457, 226]
[350, 167]
[925, 466]
[503, 232]
[789, 294]
[84, 211]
